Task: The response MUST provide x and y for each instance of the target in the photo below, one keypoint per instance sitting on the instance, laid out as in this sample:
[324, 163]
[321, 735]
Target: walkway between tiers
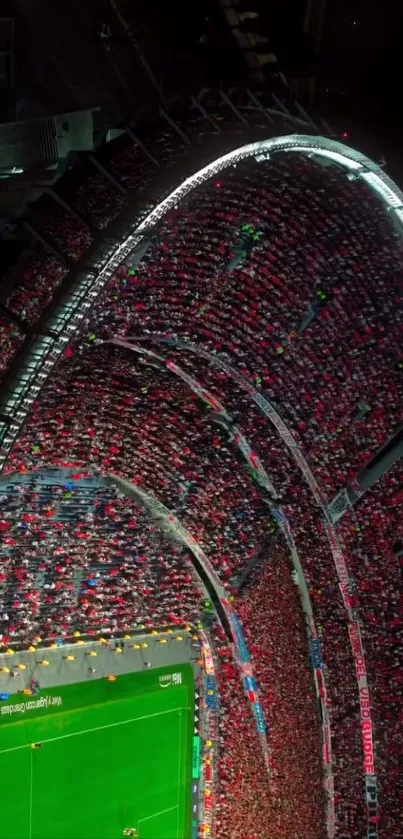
[354, 628]
[169, 522]
[259, 471]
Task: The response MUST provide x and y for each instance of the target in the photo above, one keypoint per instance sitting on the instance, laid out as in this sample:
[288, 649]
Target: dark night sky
[359, 66]
[362, 50]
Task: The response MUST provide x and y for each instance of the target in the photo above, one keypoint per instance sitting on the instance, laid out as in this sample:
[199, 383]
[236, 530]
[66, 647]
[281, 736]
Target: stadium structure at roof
[301, 330]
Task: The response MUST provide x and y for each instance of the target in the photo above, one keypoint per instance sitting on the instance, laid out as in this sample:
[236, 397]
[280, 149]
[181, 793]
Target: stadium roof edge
[62, 320]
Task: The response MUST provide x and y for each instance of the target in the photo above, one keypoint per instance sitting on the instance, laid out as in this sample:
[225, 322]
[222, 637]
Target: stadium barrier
[241, 655]
[210, 738]
[259, 473]
[319, 670]
[356, 643]
[249, 682]
[77, 638]
[236, 437]
[195, 797]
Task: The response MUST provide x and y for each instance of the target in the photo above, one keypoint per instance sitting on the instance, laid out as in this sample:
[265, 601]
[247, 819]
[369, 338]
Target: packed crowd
[247, 806]
[105, 410]
[99, 405]
[317, 561]
[370, 537]
[327, 248]
[373, 540]
[320, 234]
[269, 610]
[78, 559]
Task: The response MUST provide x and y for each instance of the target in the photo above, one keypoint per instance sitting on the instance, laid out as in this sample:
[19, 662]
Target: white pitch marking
[98, 728]
[154, 815]
[31, 797]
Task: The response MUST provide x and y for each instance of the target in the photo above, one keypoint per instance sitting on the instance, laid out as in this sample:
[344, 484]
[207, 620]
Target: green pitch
[113, 755]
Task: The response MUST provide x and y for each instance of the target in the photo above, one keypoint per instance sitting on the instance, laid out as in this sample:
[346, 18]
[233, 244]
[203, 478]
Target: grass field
[114, 755]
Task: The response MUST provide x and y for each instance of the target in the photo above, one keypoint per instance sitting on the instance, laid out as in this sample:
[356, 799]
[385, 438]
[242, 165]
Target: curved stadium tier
[201, 471]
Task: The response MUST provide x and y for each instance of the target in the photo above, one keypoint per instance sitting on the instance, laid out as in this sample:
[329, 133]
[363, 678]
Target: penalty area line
[154, 815]
[97, 728]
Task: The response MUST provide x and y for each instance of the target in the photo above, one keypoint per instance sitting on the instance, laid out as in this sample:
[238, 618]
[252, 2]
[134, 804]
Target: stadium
[201, 529]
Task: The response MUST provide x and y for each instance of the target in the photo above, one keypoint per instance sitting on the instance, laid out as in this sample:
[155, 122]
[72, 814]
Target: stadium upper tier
[288, 272]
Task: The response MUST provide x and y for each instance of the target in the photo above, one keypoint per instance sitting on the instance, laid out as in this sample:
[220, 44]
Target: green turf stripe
[104, 765]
